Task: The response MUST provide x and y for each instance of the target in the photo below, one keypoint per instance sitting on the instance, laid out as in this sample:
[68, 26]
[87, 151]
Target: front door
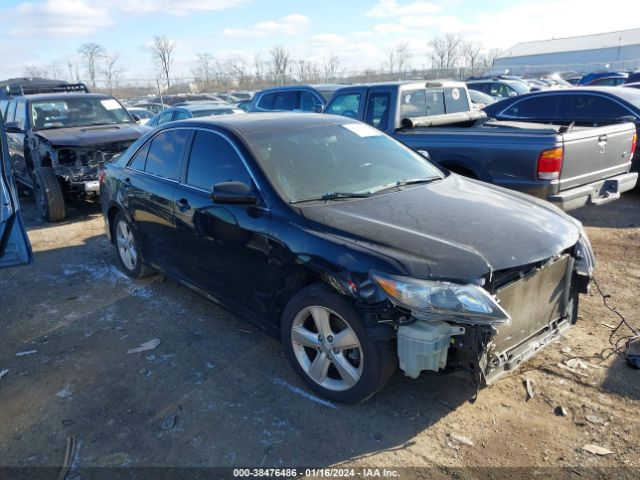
[223, 248]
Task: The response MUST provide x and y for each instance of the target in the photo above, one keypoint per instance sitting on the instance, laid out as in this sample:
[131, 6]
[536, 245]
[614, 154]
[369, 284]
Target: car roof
[58, 96]
[259, 122]
[318, 87]
[196, 107]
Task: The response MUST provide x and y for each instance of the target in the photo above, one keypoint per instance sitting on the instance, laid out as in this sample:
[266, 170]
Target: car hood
[453, 228]
[92, 135]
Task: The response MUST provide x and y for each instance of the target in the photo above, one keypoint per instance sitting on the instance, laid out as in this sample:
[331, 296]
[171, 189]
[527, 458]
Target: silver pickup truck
[568, 166]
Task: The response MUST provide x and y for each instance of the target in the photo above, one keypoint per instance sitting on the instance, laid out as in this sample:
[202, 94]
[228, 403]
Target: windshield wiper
[331, 196]
[402, 183]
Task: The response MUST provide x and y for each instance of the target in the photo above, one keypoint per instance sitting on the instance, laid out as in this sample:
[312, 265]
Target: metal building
[604, 51]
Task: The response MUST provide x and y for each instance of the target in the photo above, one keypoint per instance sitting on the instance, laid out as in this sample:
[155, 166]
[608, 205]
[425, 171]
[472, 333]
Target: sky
[45, 32]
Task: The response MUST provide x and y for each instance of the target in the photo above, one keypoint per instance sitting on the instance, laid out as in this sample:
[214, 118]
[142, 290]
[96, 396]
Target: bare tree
[91, 52]
[490, 57]
[162, 55]
[280, 59]
[403, 56]
[35, 71]
[390, 54]
[258, 65]
[331, 67]
[438, 52]
[471, 53]
[446, 50]
[111, 71]
[204, 70]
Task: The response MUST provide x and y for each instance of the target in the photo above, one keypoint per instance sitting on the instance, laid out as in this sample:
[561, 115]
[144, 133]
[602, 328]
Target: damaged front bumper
[542, 303]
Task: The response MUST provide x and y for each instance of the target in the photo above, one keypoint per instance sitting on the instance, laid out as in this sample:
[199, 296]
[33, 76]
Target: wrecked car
[354, 250]
[59, 138]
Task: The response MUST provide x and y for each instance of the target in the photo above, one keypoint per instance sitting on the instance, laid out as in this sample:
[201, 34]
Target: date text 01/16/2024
[315, 472]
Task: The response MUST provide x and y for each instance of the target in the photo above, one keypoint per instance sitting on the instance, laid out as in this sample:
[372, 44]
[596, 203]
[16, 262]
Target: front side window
[21, 113]
[347, 105]
[214, 160]
[140, 159]
[182, 115]
[79, 111]
[378, 110]
[266, 102]
[165, 153]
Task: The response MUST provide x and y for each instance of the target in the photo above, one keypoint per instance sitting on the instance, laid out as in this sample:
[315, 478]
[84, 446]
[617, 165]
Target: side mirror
[233, 193]
[136, 117]
[425, 154]
[318, 108]
[13, 127]
[513, 94]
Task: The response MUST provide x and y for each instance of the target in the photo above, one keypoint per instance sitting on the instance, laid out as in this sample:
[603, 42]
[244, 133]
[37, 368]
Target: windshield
[316, 160]
[519, 87]
[77, 112]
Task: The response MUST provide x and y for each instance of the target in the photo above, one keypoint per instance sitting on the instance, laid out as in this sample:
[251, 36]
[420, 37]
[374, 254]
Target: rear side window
[285, 101]
[378, 110]
[544, 107]
[456, 100]
[413, 104]
[349, 102]
[165, 153]
[214, 160]
[594, 107]
[266, 102]
[140, 158]
[11, 111]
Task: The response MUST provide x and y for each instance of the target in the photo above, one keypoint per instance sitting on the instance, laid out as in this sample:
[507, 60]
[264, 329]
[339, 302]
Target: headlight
[585, 259]
[430, 300]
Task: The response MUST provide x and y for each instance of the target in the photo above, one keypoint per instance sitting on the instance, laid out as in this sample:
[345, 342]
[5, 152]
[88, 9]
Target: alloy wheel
[327, 348]
[126, 245]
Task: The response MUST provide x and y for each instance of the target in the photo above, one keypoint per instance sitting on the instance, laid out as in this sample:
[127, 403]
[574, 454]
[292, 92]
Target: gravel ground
[219, 392]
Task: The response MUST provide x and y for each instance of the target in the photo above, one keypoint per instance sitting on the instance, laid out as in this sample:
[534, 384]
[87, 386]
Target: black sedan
[351, 248]
[580, 106]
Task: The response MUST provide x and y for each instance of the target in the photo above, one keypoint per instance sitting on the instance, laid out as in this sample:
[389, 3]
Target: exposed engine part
[424, 346]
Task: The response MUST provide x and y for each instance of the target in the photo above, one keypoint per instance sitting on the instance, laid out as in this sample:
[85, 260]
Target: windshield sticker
[362, 130]
[455, 93]
[110, 104]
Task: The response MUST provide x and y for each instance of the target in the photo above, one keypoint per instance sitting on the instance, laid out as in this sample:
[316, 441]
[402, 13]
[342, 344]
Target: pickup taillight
[634, 144]
[550, 164]
[101, 177]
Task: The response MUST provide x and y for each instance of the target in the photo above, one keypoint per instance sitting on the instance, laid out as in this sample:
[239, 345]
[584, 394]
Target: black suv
[58, 134]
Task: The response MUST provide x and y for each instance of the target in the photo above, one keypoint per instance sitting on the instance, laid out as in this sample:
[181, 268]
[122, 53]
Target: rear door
[15, 248]
[224, 249]
[149, 187]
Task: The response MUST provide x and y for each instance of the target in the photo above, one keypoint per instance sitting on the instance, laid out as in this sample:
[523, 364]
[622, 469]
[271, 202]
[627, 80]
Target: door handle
[183, 205]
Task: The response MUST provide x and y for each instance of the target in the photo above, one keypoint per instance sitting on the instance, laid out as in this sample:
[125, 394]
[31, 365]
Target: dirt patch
[218, 392]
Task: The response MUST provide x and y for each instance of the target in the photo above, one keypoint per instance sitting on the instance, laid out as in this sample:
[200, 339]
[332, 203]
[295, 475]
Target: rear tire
[48, 194]
[128, 248]
[339, 361]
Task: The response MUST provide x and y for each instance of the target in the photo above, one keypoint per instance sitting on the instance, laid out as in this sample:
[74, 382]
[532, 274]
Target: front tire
[330, 349]
[48, 194]
[128, 248]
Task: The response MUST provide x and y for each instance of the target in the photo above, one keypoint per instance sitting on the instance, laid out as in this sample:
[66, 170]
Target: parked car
[152, 107]
[590, 77]
[480, 100]
[634, 77]
[57, 141]
[579, 106]
[499, 88]
[228, 97]
[193, 111]
[298, 98]
[632, 85]
[140, 115]
[567, 167]
[351, 248]
[15, 248]
[606, 82]
[244, 104]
